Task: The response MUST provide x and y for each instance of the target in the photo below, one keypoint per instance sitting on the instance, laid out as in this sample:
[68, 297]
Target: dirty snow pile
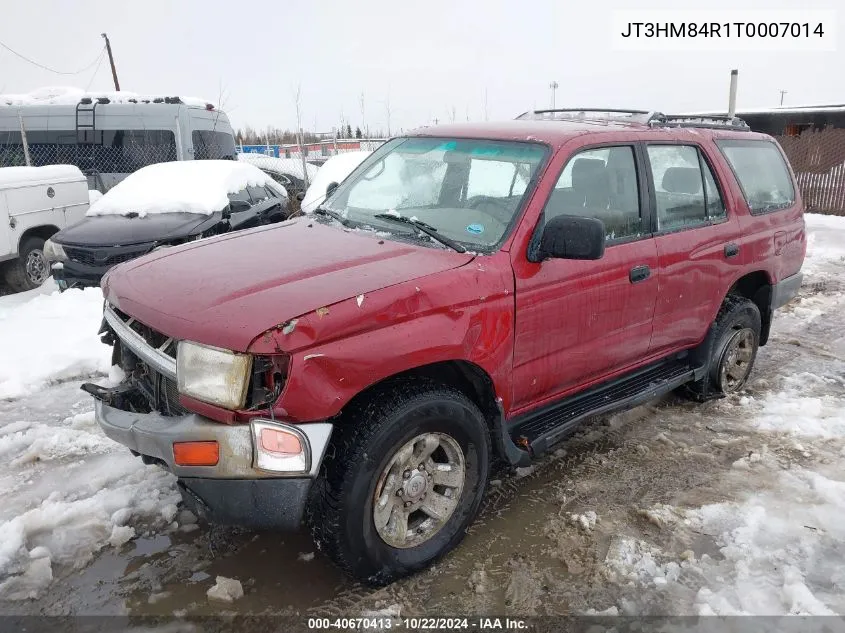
[46, 338]
[66, 490]
[776, 544]
[191, 186]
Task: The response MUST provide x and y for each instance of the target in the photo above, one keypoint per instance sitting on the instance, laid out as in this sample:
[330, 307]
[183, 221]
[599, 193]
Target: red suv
[469, 293]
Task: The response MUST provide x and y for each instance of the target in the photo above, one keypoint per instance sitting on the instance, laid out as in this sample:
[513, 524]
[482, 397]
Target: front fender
[338, 351]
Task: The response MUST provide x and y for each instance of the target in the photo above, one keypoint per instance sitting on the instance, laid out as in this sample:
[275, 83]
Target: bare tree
[298, 102]
[387, 109]
[452, 114]
[363, 113]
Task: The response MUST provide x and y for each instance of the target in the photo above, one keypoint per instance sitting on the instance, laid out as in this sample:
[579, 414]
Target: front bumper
[75, 275]
[234, 491]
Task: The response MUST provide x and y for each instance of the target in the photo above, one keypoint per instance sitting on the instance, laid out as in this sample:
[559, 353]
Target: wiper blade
[322, 210]
[424, 228]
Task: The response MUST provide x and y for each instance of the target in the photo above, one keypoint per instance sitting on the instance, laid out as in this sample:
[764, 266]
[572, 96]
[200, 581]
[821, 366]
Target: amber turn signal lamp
[196, 453]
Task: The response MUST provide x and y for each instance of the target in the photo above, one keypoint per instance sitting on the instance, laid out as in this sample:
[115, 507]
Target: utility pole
[111, 61]
[25, 143]
[554, 86]
[782, 92]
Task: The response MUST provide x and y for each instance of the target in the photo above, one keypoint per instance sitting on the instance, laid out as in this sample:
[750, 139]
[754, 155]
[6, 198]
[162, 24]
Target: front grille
[161, 393]
[152, 337]
[105, 256]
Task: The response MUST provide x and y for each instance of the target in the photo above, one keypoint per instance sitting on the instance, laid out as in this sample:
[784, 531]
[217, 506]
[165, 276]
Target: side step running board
[539, 430]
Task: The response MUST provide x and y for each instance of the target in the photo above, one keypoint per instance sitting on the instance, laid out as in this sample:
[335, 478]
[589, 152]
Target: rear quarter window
[762, 174]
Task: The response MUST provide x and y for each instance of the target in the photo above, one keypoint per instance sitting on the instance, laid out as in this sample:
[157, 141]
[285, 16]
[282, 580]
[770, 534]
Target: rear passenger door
[578, 321]
[697, 240]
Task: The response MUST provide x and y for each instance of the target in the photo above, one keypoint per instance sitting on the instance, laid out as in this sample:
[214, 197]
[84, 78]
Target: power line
[52, 70]
[96, 70]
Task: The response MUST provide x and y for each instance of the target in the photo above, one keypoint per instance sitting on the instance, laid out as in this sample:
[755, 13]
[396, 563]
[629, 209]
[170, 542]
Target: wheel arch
[43, 231]
[756, 286]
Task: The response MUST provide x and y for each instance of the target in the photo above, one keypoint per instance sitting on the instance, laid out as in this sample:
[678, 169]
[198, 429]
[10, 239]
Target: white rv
[110, 135]
[35, 203]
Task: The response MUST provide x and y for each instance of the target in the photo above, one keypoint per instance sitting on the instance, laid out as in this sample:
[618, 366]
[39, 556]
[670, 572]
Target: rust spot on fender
[321, 312]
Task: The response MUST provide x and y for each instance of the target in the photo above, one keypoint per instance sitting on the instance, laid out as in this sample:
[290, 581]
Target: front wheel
[403, 479]
[31, 269]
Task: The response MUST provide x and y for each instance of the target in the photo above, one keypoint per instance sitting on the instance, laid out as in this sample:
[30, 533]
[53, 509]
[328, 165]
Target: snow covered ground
[749, 518]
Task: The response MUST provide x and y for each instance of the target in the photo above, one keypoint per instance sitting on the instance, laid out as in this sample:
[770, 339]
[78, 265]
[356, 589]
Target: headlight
[213, 375]
[54, 252]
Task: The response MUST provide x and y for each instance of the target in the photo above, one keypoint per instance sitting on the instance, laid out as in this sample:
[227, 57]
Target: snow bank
[93, 196]
[67, 95]
[193, 186]
[292, 166]
[336, 169]
[12, 176]
[802, 408]
[782, 549]
[50, 338]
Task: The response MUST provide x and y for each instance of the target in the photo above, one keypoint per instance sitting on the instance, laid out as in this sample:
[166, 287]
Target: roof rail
[596, 114]
[659, 119]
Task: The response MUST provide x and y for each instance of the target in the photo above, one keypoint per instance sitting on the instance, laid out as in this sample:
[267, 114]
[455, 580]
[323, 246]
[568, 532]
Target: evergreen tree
[358, 133]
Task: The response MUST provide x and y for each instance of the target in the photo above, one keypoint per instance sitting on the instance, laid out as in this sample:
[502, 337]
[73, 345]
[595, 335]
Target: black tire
[18, 277]
[738, 317]
[340, 512]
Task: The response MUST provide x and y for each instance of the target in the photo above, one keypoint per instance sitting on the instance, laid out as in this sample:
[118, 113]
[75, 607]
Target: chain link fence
[108, 155]
[818, 160]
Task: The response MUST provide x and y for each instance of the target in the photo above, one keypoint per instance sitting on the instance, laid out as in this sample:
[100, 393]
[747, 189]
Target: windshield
[469, 191]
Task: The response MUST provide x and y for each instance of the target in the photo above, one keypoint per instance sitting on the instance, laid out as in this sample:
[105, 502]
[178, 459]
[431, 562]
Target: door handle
[731, 250]
[639, 273]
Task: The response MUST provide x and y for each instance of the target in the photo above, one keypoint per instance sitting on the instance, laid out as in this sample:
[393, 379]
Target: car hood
[226, 291]
[118, 230]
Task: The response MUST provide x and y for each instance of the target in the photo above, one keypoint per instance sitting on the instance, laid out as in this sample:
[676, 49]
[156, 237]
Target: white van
[110, 135]
[35, 203]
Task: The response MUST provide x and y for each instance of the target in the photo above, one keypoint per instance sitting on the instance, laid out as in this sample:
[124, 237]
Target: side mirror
[572, 237]
[330, 188]
[239, 206]
[300, 196]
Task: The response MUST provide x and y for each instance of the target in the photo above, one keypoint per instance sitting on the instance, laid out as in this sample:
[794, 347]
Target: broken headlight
[54, 252]
[213, 375]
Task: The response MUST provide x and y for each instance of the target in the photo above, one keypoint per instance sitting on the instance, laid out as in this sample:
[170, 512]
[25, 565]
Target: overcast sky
[428, 58]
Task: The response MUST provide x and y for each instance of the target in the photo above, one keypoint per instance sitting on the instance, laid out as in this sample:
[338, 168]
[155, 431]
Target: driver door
[578, 322]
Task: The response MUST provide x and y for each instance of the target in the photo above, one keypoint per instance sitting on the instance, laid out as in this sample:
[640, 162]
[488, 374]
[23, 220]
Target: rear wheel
[31, 269]
[403, 479]
[735, 342]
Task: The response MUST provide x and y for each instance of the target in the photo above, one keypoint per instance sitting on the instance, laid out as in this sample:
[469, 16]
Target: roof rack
[659, 119]
[595, 114]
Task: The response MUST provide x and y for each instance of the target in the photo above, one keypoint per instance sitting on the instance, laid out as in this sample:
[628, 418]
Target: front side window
[600, 183]
[761, 172]
[213, 145]
[258, 194]
[469, 190]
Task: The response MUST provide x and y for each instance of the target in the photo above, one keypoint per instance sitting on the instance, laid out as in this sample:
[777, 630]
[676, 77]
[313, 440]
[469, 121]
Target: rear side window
[685, 190]
[762, 174]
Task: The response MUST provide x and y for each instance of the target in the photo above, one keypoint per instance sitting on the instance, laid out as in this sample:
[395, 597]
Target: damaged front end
[148, 361]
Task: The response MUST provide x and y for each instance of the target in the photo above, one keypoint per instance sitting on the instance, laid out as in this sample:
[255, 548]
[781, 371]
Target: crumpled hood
[226, 291]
